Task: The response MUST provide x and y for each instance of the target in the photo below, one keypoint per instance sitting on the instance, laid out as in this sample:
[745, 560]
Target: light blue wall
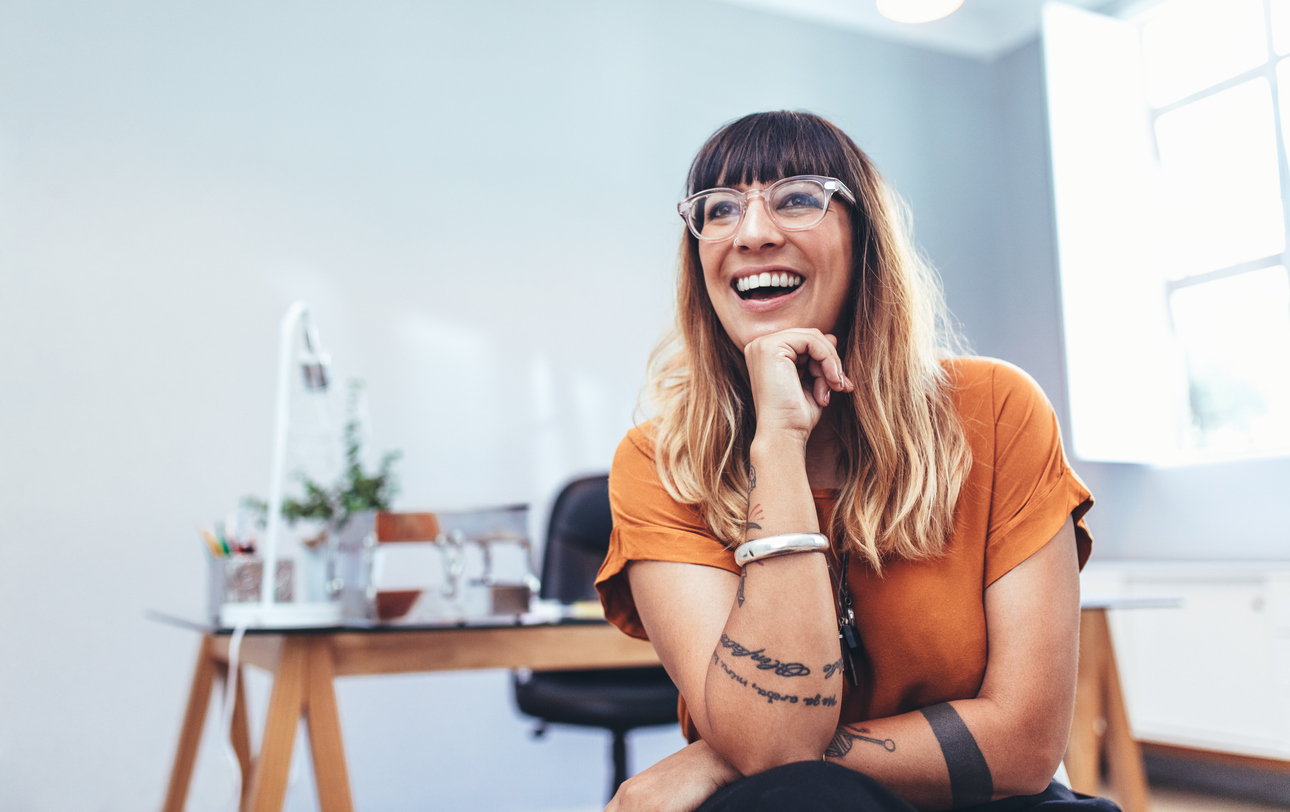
[477, 199]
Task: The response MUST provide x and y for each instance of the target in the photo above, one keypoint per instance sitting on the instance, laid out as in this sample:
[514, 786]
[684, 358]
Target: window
[1170, 177]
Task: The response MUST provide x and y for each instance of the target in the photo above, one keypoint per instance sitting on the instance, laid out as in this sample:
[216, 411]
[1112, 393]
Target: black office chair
[618, 699]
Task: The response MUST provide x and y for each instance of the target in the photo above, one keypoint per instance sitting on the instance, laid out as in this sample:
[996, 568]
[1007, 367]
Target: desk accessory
[429, 568]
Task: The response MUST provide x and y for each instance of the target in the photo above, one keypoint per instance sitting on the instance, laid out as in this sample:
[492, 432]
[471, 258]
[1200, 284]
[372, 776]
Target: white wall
[1218, 511]
[477, 199]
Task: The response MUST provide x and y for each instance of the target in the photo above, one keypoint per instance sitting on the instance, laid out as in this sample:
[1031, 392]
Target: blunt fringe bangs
[770, 146]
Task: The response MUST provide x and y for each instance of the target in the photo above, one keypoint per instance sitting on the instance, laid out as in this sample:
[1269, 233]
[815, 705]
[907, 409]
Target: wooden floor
[1173, 799]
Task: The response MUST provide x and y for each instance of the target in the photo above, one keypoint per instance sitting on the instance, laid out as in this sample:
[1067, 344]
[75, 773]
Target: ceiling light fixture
[917, 11]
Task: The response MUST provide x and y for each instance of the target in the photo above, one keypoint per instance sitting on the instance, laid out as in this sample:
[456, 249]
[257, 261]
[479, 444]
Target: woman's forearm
[953, 754]
[1010, 738]
[774, 684]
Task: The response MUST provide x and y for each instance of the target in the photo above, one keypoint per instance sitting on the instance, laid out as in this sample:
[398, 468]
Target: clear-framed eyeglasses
[794, 204]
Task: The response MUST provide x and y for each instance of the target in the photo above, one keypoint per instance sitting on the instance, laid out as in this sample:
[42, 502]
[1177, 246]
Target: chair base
[620, 761]
[618, 700]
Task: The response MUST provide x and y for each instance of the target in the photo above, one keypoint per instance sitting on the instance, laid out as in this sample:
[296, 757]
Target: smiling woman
[856, 555]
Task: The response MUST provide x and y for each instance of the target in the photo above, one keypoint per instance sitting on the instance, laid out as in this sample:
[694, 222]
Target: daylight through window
[1192, 144]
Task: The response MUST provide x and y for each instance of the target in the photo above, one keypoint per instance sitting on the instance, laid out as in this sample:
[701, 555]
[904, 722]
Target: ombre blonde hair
[903, 457]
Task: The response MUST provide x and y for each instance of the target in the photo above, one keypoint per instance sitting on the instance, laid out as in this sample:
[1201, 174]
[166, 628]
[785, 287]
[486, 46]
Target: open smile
[766, 285]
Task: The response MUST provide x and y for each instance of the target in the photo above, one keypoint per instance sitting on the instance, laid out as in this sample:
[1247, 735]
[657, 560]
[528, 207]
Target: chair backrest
[577, 539]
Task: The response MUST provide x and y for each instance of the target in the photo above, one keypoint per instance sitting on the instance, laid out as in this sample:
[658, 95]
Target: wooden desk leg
[269, 775]
[324, 730]
[190, 735]
[1084, 749]
[1101, 722]
[1123, 755]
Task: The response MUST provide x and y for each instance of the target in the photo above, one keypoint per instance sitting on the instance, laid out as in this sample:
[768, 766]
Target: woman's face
[809, 273]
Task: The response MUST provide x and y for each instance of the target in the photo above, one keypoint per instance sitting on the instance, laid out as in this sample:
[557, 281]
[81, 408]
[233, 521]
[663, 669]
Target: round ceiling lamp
[917, 11]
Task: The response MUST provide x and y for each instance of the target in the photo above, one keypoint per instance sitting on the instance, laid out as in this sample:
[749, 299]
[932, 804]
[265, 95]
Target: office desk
[304, 662]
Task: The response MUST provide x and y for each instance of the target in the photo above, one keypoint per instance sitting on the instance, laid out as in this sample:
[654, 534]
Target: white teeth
[776, 279]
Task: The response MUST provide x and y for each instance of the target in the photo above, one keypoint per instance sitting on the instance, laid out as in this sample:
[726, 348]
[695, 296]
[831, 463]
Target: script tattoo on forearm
[819, 700]
[749, 510]
[833, 668]
[816, 701]
[765, 663]
[970, 780]
[729, 672]
[771, 697]
[845, 737]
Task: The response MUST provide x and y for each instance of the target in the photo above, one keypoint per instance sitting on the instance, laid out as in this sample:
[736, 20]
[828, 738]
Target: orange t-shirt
[922, 623]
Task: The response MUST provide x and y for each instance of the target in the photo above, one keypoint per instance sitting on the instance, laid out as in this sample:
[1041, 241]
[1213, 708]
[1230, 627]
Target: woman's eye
[797, 201]
[722, 209]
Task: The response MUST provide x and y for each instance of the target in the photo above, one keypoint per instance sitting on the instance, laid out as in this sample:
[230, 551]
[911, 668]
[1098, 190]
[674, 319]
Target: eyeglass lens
[795, 205]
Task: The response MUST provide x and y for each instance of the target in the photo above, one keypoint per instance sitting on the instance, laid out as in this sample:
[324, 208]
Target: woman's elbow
[752, 752]
[753, 743]
[1030, 769]
[751, 761]
[1028, 779]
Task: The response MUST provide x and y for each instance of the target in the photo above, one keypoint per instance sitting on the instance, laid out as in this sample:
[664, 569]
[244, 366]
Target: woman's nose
[757, 230]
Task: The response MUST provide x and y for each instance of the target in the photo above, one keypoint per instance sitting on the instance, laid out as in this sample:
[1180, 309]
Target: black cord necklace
[848, 636]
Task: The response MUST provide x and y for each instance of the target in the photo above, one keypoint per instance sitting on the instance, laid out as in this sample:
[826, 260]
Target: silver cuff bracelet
[772, 546]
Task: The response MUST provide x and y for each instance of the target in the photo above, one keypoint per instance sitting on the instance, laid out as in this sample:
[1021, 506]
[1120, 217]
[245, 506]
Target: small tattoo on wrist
[847, 735]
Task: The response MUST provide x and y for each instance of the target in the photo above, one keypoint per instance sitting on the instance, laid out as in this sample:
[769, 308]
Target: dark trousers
[819, 786]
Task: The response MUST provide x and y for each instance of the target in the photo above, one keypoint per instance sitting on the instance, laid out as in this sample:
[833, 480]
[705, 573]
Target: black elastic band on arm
[970, 781]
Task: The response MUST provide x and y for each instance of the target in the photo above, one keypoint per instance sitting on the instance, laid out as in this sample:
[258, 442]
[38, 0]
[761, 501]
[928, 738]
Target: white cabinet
[1213, 674]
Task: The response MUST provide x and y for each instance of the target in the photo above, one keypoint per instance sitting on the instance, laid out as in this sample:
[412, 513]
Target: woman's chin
[745, 333]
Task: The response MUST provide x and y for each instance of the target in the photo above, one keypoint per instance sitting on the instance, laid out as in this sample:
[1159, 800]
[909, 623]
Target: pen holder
[238, 579]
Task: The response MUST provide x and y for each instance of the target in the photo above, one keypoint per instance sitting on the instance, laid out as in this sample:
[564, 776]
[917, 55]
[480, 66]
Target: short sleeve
[649, 525]
[1034, 487]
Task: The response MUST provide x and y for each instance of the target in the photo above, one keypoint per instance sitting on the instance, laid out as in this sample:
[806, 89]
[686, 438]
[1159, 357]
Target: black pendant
[850, 647]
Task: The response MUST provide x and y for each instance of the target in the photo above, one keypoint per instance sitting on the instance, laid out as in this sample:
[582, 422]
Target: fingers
[814, 368]
[818, 349]
[794, 374]
[816, 382]
[821, 392]
[825, 354]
